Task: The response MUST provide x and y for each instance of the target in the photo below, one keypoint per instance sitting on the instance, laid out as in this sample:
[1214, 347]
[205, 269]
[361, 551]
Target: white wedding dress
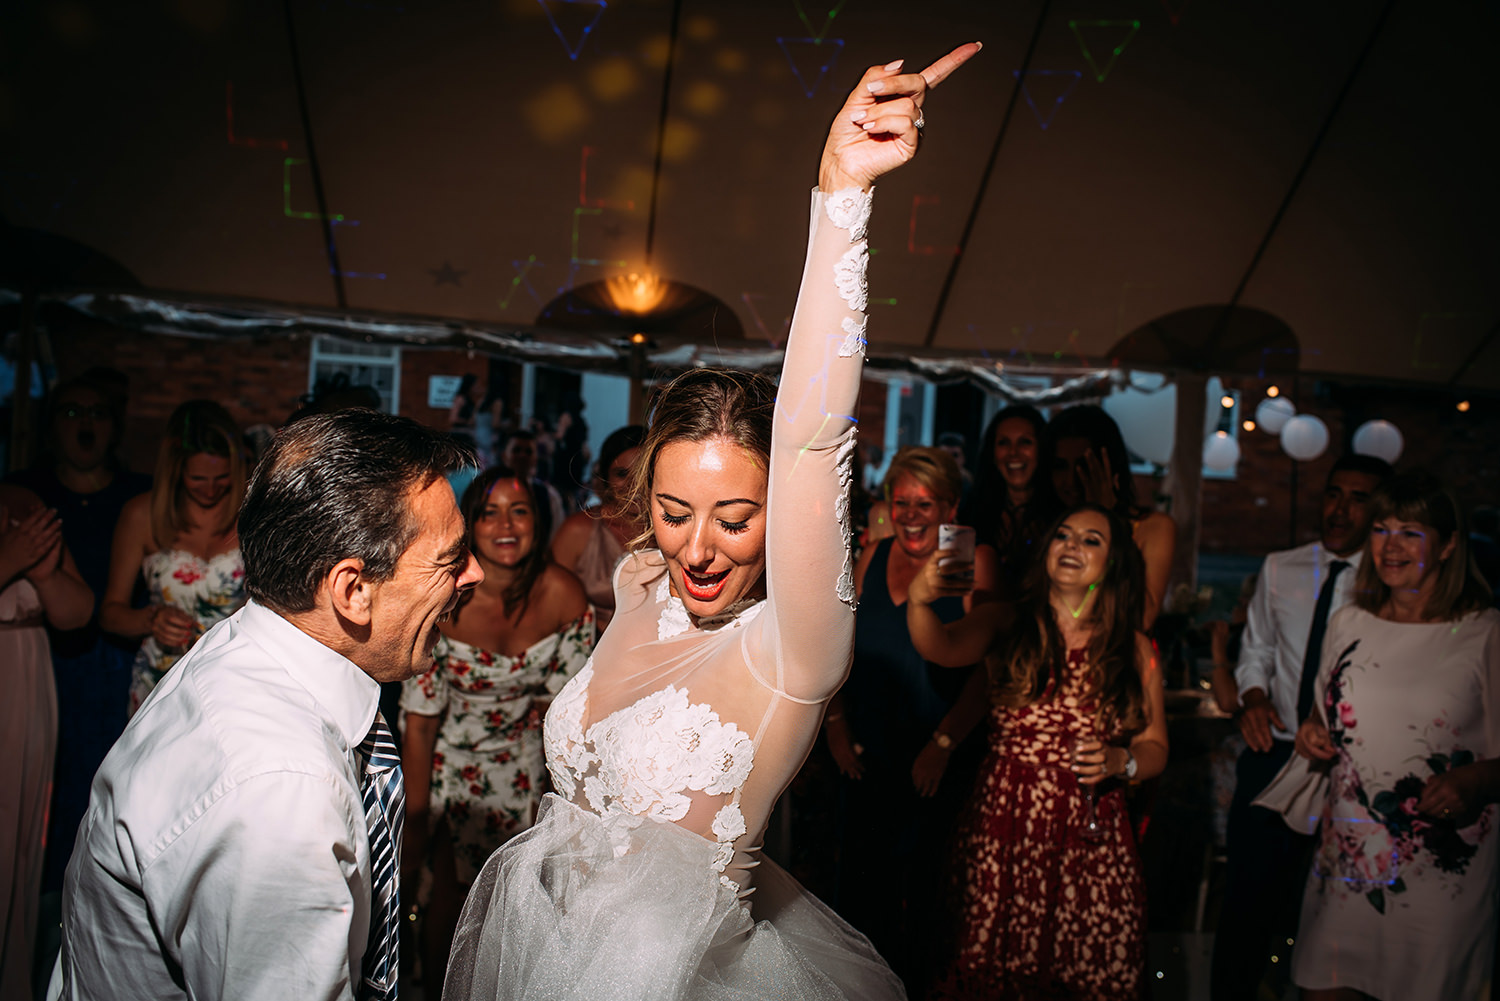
[642, 876]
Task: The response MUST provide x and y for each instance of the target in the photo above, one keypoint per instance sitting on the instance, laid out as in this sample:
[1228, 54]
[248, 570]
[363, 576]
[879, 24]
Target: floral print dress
[1401, 905]
[487, 766]
[208, 590]
[1044, 913]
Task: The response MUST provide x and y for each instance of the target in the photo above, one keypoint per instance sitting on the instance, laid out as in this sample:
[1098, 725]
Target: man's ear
[350, 591]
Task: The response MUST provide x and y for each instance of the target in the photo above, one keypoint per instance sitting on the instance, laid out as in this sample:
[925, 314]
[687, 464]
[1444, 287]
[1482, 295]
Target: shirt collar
[1325, 557]
[348, 695]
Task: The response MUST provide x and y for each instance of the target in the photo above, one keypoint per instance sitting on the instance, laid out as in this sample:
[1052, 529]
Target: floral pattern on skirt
[208, 590]
[487, 765]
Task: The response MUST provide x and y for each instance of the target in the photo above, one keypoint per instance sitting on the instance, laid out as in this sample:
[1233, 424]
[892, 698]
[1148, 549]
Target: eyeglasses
[75, 412]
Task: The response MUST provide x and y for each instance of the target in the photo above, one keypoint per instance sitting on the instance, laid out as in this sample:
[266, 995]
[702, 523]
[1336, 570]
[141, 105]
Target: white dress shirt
[1280, 619]
[224, 853]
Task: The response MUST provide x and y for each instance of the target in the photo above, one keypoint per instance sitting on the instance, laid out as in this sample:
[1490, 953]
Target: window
[375, 365]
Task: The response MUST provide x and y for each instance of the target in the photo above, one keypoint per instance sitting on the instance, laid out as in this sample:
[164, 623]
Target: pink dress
[28, 740]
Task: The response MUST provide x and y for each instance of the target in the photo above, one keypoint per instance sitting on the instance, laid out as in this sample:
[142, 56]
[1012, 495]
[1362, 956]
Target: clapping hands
[32, 546]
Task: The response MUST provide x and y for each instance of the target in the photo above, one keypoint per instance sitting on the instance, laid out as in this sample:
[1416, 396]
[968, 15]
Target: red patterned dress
[1044, 914]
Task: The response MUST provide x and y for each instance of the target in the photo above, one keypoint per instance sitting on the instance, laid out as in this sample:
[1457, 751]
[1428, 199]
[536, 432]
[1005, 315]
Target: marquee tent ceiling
[1102, 170]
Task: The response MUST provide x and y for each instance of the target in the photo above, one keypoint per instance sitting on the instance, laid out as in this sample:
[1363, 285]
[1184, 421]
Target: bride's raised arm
[809, 572]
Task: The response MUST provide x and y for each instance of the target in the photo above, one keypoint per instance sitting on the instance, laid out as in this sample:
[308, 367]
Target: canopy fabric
[1087, 176]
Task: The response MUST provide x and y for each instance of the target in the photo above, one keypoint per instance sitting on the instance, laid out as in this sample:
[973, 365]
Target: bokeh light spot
[700, 28]
[704, 98]
[730, 60]
[613, 79]
[654, 51]
[679, 141]
[556, 113]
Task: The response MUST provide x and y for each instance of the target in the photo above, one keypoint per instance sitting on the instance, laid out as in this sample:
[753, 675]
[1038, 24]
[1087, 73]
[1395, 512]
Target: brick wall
[418, 365]
[256, 381]
[1253, 514]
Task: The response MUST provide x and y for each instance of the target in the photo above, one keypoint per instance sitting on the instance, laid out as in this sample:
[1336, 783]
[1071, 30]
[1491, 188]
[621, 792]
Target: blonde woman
[181, 536]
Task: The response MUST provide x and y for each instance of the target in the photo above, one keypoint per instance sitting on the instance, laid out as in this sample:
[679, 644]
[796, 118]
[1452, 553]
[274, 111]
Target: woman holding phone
[902, 774]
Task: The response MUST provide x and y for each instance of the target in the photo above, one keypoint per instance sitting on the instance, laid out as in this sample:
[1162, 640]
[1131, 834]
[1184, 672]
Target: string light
[1248, 425]
[1463, 406]
[1226, 401]
[1272, 391]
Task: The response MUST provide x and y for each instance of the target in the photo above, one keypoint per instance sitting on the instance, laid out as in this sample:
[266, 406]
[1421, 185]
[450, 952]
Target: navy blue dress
[894, 844]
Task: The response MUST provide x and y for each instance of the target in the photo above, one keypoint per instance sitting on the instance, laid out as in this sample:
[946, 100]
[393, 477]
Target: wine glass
[1090, 829]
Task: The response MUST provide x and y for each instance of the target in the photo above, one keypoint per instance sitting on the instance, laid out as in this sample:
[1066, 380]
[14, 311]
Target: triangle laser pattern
[824, 53]
[1119, 47]
[1053, 85]
[833, 12]
[552, 8]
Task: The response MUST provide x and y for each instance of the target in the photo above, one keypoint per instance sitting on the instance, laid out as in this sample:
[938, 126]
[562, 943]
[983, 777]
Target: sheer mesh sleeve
[809, 627]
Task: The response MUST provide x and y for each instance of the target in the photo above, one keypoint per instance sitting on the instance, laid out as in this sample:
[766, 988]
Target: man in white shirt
[1297, 591]
[241, 836]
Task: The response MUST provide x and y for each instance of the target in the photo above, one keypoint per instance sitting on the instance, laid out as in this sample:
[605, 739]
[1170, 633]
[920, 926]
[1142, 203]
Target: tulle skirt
[584, 907]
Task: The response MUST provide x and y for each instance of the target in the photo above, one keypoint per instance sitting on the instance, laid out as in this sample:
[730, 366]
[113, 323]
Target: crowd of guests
[999, 707]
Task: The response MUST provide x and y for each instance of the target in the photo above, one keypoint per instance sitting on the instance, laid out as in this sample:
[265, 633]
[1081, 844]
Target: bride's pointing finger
[944, 67]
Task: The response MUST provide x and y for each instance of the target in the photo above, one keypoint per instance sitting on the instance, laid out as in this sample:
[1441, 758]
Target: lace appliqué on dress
[849, 208]
[645, 758]
[845, 463]
[728, 825]
[673, 620]
[562, 735]
[854, 338]
[849, 276]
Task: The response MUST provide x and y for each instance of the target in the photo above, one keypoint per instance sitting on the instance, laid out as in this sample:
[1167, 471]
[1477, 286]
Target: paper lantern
[1273, 412]
[1381, 439]
[1304, 437]
[1220, 452]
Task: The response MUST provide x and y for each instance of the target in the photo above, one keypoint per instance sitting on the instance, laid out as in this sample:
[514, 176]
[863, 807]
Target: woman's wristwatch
[942, 740]
[1130, 766]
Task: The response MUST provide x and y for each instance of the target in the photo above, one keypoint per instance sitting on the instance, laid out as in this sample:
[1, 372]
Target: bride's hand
[875, 131]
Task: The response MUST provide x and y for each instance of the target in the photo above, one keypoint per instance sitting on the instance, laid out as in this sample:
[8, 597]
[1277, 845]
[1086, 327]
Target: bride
[669, 749]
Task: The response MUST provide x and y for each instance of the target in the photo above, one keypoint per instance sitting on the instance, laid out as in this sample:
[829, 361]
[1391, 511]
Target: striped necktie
[385, 811]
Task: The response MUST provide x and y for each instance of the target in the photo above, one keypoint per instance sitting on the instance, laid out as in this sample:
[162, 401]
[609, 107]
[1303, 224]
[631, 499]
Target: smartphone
[960, 539]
